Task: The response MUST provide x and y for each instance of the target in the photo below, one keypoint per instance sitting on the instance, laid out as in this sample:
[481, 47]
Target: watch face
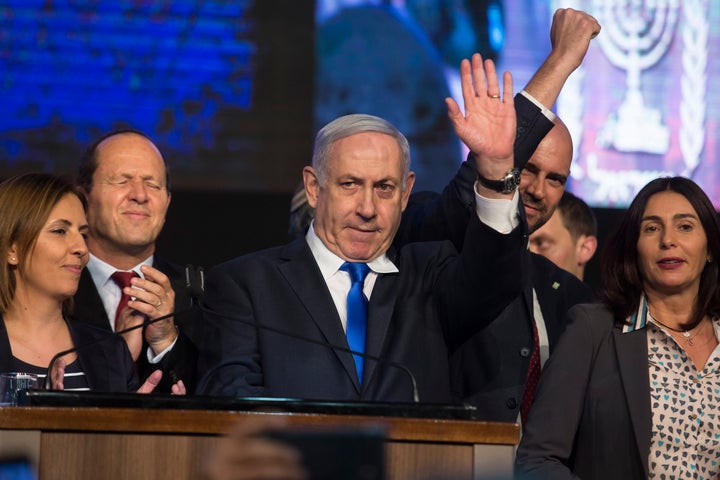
[511, 181]
[507, 184]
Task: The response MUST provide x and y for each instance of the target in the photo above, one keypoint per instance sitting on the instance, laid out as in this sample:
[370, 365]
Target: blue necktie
[356, 312]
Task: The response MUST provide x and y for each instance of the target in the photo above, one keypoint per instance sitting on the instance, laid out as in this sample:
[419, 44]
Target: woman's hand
[58, 375]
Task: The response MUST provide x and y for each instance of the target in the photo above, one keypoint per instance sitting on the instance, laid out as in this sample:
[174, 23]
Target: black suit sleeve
[532, 126]
[488, 277]
[180, 363]
[230, 362]
[105, 358]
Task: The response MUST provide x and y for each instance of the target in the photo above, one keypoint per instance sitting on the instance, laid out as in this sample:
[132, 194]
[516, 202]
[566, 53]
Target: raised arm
[487, 126]
[433, 216]
[570, 36]
[490, 270]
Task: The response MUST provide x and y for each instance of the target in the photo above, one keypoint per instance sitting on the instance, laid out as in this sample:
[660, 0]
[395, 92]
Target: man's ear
[586, 247]
[409, 182]
[312, 185]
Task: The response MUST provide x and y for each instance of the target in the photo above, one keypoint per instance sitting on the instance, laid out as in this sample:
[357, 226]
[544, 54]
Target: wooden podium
[160, 443]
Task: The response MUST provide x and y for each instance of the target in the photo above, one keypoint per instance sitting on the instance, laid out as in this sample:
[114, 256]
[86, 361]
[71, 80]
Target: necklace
[685, 333]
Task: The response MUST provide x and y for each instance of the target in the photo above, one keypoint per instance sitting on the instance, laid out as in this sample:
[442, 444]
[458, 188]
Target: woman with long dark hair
[633, 388]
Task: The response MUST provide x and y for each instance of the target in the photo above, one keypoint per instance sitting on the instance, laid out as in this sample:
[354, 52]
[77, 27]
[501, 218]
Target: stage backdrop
[643, 104]
[232, 91]
[223, 87]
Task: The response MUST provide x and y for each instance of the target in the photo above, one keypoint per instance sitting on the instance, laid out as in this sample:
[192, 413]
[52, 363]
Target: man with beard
[497, 368]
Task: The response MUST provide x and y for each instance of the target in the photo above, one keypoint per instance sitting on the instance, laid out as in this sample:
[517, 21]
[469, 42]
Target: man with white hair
[341, 315]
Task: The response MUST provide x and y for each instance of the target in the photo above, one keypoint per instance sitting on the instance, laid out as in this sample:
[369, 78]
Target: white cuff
[159, 356]
[497, 213]
[548, 113]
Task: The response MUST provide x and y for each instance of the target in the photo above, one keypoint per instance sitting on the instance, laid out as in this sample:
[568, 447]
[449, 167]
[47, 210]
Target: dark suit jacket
[488, 369]
[105, 360]
[178, 364]
[592, 416]
[283, 288]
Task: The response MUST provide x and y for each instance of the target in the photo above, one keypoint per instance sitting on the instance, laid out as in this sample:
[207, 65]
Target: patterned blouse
[685, 404]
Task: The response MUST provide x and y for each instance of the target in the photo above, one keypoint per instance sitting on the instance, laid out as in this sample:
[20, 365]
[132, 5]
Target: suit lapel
[528, 288]
[304, 278]
[6, 358]
[631, 349]
[547, 292]
[88, 306]
[380, 311]
[176, 275]
[96, 371]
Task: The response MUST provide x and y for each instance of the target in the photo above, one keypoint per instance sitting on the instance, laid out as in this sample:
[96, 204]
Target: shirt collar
[101, 271]
[639, 319]
[330, 263]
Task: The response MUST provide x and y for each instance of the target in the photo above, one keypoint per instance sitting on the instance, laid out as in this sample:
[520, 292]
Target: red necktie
[533, 375]
[123, 280]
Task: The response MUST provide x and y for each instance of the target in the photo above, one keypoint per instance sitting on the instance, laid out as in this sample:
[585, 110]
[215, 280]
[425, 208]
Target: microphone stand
[415, 394]
[48, 381]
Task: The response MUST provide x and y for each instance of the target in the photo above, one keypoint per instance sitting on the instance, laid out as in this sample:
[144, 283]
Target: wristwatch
[507, 184]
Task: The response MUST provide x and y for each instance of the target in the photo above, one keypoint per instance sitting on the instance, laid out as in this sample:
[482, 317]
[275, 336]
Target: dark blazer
[592, 417]
[489, 368]
[180, 363]
[106, 360]
[282, 288]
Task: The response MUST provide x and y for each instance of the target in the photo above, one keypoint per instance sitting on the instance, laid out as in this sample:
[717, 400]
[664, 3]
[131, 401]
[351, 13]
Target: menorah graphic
[636, 34]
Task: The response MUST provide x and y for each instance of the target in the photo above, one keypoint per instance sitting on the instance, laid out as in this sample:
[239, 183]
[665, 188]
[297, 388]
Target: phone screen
[17, 469]
[330, 454]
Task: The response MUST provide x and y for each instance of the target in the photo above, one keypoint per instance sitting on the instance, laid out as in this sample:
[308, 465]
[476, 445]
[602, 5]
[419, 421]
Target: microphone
[194, 283]
[48, 382]
[340, 348]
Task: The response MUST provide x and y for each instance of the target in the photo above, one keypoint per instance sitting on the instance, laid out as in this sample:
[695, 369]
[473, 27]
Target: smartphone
[338, 453]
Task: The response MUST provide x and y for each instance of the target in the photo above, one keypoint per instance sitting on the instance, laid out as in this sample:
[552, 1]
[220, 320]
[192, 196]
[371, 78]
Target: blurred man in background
[569, 238]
